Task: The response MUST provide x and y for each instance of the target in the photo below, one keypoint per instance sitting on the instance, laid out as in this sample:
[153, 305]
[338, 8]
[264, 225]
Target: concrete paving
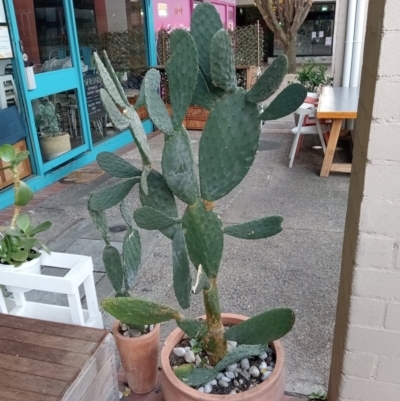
[299, 268]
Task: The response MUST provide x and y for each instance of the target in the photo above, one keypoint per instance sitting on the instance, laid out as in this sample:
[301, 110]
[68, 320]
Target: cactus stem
[209, 205]
[214, 342]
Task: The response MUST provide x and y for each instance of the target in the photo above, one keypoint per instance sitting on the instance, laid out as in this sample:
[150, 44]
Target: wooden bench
[47, 361]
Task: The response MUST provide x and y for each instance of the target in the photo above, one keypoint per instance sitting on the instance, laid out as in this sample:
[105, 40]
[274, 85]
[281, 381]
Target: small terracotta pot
[174, 390]
[139, 357]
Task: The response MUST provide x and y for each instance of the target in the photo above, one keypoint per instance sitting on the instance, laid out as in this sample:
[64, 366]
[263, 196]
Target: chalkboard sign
[92, 88]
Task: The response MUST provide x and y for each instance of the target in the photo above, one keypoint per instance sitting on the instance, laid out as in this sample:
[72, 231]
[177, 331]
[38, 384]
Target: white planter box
[80, 272]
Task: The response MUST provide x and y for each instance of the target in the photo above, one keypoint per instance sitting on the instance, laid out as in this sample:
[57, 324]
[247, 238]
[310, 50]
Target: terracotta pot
[174, 390]
[139, 357]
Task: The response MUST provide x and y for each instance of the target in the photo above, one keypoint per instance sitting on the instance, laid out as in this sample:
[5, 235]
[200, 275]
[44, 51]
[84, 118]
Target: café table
[336, 104]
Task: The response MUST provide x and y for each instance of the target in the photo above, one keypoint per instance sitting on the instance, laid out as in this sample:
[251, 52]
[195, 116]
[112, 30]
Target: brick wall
[366, 349]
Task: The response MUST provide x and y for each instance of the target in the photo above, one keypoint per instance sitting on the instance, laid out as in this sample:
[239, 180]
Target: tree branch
[300, 16]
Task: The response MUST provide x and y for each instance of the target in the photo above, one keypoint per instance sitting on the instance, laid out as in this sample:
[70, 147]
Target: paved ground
[299, 268]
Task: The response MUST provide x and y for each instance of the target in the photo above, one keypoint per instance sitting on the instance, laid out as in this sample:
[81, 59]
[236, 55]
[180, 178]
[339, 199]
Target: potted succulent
[18, 250]
[52, 142]
[200, 71]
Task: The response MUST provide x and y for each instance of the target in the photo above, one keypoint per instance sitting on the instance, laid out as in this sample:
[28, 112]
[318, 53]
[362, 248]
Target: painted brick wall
[366, 350]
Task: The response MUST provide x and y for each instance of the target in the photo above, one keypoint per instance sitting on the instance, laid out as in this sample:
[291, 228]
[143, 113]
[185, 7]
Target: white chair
[313, 126]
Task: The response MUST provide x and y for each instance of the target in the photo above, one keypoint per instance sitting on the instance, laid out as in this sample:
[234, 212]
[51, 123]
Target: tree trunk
[290, 51]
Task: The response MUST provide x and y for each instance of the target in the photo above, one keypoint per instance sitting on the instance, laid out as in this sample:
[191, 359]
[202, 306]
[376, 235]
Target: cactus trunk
[214, 342]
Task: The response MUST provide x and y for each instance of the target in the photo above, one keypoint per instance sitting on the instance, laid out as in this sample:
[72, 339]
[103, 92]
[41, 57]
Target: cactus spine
[200, 71]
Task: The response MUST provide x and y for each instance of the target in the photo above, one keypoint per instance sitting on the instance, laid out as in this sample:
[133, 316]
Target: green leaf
[20, 256]
[21, 156]
[23, 222]
[256, 229]
[29, 243]
[116, 166]
[7, 153]
[263, 328]
[113, 266]
[14, 233]
[152, 219]
[23, 195]
[40, 228]
[45, 248]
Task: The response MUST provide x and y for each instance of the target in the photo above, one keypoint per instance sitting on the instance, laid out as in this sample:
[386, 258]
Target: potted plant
[205, 351]
[52, 142]
[18, 250]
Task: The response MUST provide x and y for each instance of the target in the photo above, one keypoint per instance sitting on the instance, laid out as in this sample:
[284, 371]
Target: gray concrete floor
[299, 268]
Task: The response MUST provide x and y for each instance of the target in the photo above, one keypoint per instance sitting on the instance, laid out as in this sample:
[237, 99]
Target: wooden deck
[46, 361]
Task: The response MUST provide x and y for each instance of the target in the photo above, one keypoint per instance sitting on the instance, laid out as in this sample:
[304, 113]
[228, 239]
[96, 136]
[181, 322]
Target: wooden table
[337, 104]
[48, 361]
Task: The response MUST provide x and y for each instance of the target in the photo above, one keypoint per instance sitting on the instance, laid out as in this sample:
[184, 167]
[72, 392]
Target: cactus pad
[131, 254]
[138, 311]
[201, 95]
[116, 166]
[239, 353]
[287, 102]
[256, 229]
[269, 81]
[181, 70]
[199, 376]
[152, 219]
[113, 266]
[222, 62]
[118, 120]
[204, 238]
[179, 168]
[228, 145]
[193, 328]
[100, 221]
[181, 270]
[202, 281]
[203, 26]
[109, 197]
[263, 328]
[184, 370]
[126, 213]
[143, 179]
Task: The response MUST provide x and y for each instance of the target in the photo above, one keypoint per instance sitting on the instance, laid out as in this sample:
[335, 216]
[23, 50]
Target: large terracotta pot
[174, 390]
[139, 357]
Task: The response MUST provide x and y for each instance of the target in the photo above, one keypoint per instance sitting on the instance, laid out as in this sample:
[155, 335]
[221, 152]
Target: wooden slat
[52, 328]
[38, 368]
[33, 384]
[12, 394]
[49, 341]
[341, 167]
[39, 353]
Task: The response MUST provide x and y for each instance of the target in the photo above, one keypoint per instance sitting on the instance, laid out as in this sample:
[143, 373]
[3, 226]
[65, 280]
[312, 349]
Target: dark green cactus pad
[181, 270]
[222, 62]
[239, 353]
[202, 281]
[126, 213]
[116, 166]
[109, 197]
[270, 81]
[152, 219]
[113, 266]
[131, 254]
[256, 229]
[176, 37]
[155, 106]
[100, 221]
[115, 79]
[117, 119]
[143, 180]
[184, 370]
[181, 70]
[201, 96]
[108, 82]
[179, 168]
[138, 311]
[228, 145]
[204, 238]
[203, 26]
[199, 375]
[193, 328]
[287, 102]
[161, 198]
[139, 135]
[263, 328]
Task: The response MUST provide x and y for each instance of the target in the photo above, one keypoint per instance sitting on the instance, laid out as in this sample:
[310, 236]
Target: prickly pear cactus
[201, 71]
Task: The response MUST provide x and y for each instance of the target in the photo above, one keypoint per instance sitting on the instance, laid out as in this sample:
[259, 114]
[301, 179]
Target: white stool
[80, 272]
[8, 91]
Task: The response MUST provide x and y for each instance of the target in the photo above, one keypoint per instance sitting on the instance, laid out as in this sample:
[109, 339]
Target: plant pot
[139, 357]
[54, 146]
[173, 389]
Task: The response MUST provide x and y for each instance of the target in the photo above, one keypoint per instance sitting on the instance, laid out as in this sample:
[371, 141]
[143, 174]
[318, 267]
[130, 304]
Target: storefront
[47, 74]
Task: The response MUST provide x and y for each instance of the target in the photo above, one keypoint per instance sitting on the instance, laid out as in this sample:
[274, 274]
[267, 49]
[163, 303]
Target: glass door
[50, 73]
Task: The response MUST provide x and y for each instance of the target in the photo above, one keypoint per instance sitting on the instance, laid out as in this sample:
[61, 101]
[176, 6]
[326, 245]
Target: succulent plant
[200, 71]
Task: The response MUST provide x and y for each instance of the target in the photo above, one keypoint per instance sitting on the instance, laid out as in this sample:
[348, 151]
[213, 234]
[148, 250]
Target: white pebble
[135, 333]
[212, 382]
[197, 361]
[233, 392]
[120, 395]
[264, 356]
[226, 379]
[223, 383]
[124, 327]
[265, 375]
[245, 374]
[263, 366]
[151, 327]
[146, 326]
[180, 352]
[245, 364]
[231, 345]
[270, 350]
[185, 337]
[270, 368]
[240, 381]
[201, 390]
[189, 356]
[254, 371]
[238, 370]
[231, 375]
[232, 368]
[207, 389]
[236, 383]
[272, 364]
[220, 376]
[187, 349]
[126, 333]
